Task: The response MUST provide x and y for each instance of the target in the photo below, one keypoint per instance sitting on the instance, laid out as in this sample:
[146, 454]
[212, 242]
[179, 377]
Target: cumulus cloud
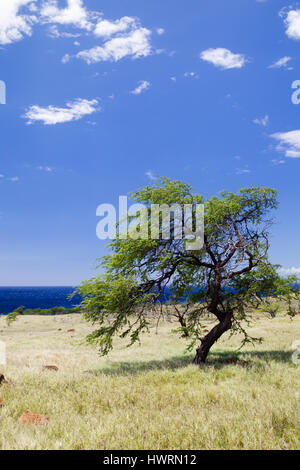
[74, 14]
[262, 121]
[134, 45]
[53, 115]
[288, 271]
[16, 20]
[283, 62]
[292, 23]
[105, 28]
[53, 32]
[289, 143]
[143, 86]
[124, 37]
[223, 58]
[18, 16]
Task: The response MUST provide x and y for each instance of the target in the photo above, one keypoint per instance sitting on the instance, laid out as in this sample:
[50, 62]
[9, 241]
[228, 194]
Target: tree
[230, 275]
[13, 316]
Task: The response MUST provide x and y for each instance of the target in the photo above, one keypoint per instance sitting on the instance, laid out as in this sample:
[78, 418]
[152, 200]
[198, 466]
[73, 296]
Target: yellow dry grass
[149, 396]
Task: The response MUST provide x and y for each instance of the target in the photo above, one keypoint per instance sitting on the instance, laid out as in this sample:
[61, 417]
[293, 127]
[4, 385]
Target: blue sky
[103, 94]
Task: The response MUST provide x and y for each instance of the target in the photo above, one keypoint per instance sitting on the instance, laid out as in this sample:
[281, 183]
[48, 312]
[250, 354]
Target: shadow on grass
[217, 359]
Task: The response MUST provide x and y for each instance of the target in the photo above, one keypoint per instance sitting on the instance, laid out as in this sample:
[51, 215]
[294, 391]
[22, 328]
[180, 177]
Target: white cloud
[262, 121]
[242, 171]
[16, 20]
[74, 14]
[66, 58]
[223, 58]
[292, 23]
[160, 31]
[13, 179]
[174, 79]
[124, 37]
[278, 162]
[135, 45]
[52, 115]
[54, 32]
[288, 271]
[143, 86]
[283, 62]
[191, 75]
[105, 28]
[47, 169]
[150, 175]
[289, 143]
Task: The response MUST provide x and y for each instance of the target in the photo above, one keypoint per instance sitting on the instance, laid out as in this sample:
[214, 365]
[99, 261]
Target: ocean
[35, 297]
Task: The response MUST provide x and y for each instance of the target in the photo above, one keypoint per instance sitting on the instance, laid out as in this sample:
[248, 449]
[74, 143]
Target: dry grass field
[148, 396]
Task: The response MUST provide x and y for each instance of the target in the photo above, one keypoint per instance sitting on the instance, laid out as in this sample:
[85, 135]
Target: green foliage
[51, 311]
[11, 317]
[232, 270]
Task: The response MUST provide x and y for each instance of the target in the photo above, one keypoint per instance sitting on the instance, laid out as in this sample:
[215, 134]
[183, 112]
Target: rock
[51, 368]
[28, 417]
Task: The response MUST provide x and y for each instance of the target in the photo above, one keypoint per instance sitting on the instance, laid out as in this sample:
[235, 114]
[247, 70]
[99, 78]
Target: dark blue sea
[35, 297]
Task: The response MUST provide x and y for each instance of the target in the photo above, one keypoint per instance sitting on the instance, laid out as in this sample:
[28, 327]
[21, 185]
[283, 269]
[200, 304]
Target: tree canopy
[230, 275]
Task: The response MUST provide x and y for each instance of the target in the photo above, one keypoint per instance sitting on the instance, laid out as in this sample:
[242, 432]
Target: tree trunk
[210, 339]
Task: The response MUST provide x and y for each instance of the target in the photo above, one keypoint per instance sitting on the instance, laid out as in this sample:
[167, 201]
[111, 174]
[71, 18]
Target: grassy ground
[148, 397]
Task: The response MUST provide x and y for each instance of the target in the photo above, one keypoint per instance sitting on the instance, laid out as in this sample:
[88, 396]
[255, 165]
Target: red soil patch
[28, 417]
[71, 331]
